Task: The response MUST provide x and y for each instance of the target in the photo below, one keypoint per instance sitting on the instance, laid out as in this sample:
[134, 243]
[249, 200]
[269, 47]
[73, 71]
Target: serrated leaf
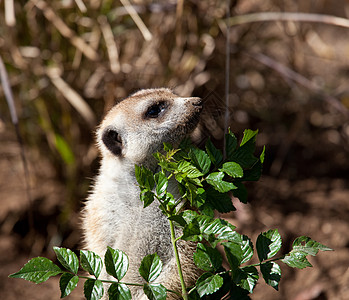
[232, 169]
[214, 154]
[219, 201]
[246, 277]
[93, 289]
[244, 154]
[155, 291]
[190, 170]
[144, 177]
[119, 291]
[116, 263]
[200, 159]
[307, 246]
[147, 197]
[67, 258]
[247, 249]
[268, 244]
[37, 270]
[240, 192]
[233, 253]
[254, 173]
[207, 258]
[208, 283]
[179, 219]
[248, 136]
[91, 262]
[191, 231]
[230, 144]
[216, 180]
[271, 272]
[296, 260]
[67, 283]
[161, 183]
[151, 267]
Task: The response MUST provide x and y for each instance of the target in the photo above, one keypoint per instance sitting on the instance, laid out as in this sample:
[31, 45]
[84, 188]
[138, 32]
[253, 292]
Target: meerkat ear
[112, 141]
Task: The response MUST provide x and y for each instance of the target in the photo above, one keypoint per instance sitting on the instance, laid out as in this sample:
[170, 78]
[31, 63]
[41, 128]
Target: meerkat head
[139, 125]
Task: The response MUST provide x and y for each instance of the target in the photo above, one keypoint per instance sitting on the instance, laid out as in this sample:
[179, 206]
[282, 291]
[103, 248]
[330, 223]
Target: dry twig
[76, 41]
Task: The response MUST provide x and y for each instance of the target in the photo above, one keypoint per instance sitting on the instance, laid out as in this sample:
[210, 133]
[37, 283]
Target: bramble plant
[206, 180]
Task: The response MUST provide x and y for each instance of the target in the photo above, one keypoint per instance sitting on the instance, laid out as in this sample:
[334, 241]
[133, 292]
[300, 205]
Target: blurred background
[69, 61]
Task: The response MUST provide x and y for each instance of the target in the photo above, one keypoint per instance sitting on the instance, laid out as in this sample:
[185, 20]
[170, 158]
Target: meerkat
[114, 216]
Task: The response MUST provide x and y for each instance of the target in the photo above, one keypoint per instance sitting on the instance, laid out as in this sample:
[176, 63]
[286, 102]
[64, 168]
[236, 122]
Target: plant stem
[175, 250]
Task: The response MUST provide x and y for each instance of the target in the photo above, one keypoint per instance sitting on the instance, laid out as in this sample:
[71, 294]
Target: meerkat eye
[155, 110]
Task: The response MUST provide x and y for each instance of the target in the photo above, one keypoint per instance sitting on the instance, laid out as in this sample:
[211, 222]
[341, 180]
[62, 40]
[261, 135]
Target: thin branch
[110, 43]
[290, 74]
[10, 18]
[287, 16]
[64, 30]
[136, 18]
[72, 96]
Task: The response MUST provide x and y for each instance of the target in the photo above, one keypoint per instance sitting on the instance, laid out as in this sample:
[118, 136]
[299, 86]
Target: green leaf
[116, 263]
[240, 192]
[67, 283]
[307, 246]
[119, 291]
[144, 177]
[244, 154]
[67, 258]
[233, 253]
[230, 144]
[93, 289]
[207, 258]
[249, 135]
[161, 183]
[151, 267]
[232, 169]
[271, 272]
[261, 157]
[155, 291]
[246, 277]
[208, 283]
[215, 155]
[254, 173]
[147, 197]
[64, 149]
[219, 201]
[190, 170]
[268, 244]
[216, 180]
[296, 260]
[179, 219]
[200, 160]
[247, 249]
[37, 270]
[91, 262]
[191, 231]
[168, 147]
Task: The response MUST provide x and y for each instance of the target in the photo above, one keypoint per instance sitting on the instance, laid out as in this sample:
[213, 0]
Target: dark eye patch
[155, 110]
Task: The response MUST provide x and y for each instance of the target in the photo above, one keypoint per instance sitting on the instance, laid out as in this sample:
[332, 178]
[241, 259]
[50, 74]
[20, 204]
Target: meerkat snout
[139, 125]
